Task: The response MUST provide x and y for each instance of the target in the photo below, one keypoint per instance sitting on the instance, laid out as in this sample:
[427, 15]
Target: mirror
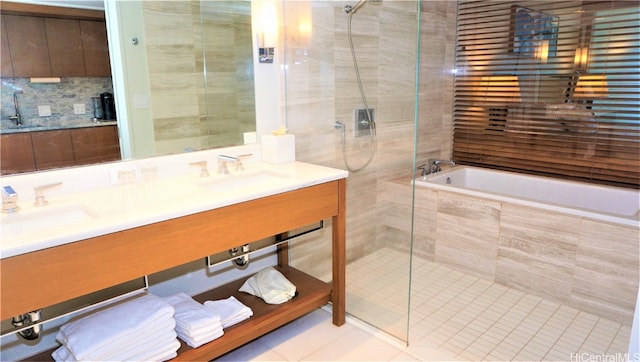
[193, 84]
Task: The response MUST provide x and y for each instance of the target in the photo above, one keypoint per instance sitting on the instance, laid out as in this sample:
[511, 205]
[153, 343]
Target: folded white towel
[230, 310]
[166, 351]
[199, 340]
[98, 330]
[195, 324]
[132, 345]
[190, 315]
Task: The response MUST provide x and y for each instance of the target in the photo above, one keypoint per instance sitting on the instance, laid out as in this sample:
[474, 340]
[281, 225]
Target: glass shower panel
[327, 112]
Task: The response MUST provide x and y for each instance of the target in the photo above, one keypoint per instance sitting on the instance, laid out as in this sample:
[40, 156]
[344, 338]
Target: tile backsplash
[60, 97]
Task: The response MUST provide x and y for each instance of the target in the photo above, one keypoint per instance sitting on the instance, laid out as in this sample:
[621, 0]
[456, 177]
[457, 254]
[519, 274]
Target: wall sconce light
[266, 29]
[265, 53]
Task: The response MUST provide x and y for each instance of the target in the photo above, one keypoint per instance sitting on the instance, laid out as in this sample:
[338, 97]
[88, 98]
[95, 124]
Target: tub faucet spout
[434, 164]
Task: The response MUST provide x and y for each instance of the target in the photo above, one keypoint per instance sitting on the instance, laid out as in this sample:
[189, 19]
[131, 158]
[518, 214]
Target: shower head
[352, 9]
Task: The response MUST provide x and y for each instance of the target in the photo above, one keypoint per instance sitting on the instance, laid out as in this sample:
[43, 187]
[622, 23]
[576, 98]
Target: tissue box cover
[278, 149]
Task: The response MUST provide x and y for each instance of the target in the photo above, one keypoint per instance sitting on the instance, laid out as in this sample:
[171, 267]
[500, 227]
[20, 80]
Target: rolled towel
[270, 285]
[230, 310]
[98, 331]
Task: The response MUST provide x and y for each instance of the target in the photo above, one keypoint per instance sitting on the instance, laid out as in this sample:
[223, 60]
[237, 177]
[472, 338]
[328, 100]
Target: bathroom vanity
[68, 270]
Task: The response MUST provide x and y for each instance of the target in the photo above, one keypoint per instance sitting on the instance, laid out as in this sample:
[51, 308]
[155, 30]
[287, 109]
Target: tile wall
[188, 108]
[321, 88]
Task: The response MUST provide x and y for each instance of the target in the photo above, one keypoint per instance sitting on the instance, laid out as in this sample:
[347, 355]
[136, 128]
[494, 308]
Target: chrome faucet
[17, 118]
[9, 199]
[223, 160]
[434, 164]
[40, 200]
[204, 171]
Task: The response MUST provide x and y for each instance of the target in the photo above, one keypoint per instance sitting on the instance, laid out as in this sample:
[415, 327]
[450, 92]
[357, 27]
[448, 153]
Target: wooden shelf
[163, 246]
[312, 294]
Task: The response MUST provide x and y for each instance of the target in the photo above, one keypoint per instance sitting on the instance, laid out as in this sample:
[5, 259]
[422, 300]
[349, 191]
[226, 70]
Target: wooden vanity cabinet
[16, 153]
[27, 40]
[71, 270]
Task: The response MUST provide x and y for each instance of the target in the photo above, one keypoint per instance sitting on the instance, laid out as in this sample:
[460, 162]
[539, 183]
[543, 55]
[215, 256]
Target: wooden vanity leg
[283, 251]
[338, 292]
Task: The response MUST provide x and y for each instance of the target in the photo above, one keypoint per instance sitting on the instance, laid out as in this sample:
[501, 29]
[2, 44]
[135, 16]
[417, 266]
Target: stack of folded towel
[139, 328]
[230, 310]
[195, 324]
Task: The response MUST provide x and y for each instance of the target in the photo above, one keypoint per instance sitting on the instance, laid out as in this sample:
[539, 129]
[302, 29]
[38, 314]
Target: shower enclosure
[400, 278]
[359, 114]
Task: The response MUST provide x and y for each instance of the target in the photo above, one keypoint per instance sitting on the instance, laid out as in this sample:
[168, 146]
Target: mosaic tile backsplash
[61, 97]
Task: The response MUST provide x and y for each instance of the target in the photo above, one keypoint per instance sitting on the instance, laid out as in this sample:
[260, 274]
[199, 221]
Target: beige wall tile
[607, 268]
[467, 233]
[537, 250]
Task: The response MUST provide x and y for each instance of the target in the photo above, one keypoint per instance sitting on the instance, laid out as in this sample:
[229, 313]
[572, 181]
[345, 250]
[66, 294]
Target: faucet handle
[423, 167]
[204, 171]
[9, 199]
[40, 200]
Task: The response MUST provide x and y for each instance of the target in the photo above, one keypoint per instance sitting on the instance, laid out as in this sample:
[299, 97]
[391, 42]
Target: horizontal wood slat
[564, 102]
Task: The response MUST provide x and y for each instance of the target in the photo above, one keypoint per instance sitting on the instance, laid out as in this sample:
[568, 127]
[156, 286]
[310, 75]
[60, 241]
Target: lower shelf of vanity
[312, 294]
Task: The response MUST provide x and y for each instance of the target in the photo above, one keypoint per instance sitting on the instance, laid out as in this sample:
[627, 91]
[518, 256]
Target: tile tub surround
[60, 96]
[578, 261]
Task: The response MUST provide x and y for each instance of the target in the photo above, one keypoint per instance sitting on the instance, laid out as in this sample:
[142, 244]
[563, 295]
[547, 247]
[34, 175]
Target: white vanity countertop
[74, 216]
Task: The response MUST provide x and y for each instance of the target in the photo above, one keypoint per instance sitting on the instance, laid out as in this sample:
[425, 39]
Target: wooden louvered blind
[549, 87]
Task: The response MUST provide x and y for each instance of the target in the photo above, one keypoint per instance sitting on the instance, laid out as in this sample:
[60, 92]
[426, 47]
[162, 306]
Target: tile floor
[454, 317]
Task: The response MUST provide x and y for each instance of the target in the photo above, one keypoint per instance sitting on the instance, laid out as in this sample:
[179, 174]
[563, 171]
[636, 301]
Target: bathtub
[572, 242]
[605, 203]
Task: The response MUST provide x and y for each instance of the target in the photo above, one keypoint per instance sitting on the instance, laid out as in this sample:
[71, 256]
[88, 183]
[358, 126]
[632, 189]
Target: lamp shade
[500, 88]
[591, 86]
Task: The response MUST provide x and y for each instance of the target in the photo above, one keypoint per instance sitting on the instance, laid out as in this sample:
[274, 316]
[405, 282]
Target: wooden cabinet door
[6, 68]
[16, 153]
[52, 149]
[65, 47]
[96, 48]
[95, 144]
[27, 39]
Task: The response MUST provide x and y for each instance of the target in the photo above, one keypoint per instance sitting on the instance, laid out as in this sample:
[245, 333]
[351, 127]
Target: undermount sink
[242, 180]
[43, 218]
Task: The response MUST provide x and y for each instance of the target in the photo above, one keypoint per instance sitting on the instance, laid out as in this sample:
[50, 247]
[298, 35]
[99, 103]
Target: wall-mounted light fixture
[266, 27]
[44, 80]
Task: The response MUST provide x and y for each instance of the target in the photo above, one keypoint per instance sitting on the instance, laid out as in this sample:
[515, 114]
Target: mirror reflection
[198, 71]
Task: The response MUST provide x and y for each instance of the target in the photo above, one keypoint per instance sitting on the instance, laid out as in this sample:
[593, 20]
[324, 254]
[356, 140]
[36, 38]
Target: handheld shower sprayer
[352, 9]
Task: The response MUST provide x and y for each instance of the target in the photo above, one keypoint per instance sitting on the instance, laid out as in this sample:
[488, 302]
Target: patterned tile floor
[467, 318]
